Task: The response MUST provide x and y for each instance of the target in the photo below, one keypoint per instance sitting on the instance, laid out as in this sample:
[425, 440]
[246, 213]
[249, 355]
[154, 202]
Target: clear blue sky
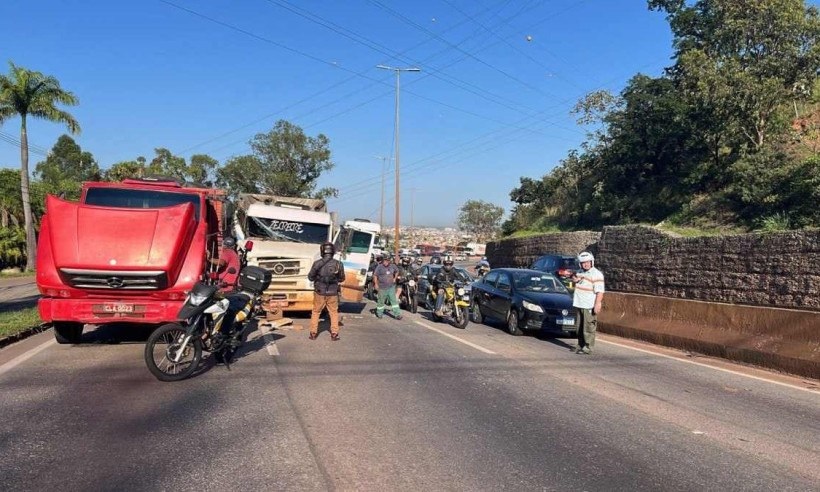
[488, 107]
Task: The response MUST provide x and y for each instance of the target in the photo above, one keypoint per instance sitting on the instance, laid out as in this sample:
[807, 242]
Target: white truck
[357, 242]
[286, 234]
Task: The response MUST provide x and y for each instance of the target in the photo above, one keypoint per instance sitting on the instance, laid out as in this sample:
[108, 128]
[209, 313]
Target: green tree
[480, 218]
[11, 205]
[66, 167]
[284, 161]
[26, 93]
[125, 169]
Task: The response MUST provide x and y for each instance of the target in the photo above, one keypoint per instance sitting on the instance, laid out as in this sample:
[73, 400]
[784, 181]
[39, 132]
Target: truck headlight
[533, 307]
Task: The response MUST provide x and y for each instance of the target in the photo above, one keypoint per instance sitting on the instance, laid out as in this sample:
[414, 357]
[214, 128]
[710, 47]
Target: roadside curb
[4, 342]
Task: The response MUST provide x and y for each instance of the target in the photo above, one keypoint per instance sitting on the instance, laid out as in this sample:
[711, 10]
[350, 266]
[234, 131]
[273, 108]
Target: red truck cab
[126, 252]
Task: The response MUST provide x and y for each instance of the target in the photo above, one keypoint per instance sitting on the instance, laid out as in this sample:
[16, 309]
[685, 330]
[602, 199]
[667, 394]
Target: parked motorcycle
[173, 351]
[456, 304]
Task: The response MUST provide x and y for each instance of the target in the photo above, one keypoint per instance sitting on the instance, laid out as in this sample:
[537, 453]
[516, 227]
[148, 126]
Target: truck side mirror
[231, 270]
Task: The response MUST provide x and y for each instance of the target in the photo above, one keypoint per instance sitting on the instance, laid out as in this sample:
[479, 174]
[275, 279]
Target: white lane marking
[270, 344]
[461, 340]
[26, 356]
[730, 371]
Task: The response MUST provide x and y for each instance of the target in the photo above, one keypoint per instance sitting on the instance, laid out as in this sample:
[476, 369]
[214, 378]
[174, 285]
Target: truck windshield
[360, 242]
[284, 230]
[133, 198]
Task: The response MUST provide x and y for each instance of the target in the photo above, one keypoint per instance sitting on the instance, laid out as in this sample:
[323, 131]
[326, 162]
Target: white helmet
[586, 256]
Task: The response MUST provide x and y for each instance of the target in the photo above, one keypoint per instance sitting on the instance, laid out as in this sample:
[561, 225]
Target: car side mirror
[231, 270]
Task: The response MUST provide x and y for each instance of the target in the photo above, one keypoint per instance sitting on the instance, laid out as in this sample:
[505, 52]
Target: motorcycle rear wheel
[163, 344]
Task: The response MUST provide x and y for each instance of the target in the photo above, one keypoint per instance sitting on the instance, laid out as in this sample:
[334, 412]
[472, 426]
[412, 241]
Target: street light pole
[398, 77]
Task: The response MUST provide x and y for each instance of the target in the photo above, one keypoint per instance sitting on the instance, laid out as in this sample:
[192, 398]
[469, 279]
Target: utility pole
[381, 208]
[398, 76]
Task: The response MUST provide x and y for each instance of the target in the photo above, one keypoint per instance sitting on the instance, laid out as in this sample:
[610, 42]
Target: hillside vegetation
[725, 140]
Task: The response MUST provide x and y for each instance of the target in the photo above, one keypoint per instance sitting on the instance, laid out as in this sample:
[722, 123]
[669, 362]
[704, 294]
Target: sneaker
[579, 350]
[438, 313]
[380, 316]
[586, 351]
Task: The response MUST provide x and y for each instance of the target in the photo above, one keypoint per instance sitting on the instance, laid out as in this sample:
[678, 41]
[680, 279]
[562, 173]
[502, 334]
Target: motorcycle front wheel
[162, 348]
[459, 317]
[414, 303]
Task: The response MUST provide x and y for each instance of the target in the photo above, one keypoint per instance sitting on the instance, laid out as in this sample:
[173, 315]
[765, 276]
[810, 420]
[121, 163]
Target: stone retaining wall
[775, 269]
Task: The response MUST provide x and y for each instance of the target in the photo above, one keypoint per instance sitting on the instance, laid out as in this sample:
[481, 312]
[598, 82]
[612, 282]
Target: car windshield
[290, 231]
[537, 282]
[134, 198]
[570, 263]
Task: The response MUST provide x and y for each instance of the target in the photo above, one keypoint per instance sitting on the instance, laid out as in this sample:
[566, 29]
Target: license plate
[566, 321]
[118, 308]
[279, 303]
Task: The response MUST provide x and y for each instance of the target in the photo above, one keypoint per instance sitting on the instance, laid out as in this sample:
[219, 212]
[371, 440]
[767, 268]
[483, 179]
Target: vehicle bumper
[288, 301]
[91, 310]
[548, 324]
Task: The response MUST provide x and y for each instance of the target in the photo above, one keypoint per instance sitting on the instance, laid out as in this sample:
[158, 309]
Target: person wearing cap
[587, 298]
[327, 273]
[384, 280]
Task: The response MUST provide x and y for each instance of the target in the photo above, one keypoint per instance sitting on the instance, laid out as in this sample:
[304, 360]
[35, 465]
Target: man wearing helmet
[445, 275]
[589, 292]
[405, 270]
[327, 273]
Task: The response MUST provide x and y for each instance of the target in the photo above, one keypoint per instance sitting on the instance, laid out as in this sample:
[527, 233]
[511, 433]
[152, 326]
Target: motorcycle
[173, 351]
[456, 304]
[408, 299]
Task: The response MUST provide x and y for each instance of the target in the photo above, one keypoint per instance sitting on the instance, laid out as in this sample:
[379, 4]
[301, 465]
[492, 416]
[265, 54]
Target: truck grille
[280, 267]
[114, 280]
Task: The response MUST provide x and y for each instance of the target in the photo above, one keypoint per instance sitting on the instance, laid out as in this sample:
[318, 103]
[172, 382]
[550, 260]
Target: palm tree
[27, 93]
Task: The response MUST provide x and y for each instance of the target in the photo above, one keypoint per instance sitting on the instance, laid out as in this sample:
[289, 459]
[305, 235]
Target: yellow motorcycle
[456, 304]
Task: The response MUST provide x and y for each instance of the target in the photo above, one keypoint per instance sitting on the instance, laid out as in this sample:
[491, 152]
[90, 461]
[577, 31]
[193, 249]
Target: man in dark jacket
[327, 273]
[446, 275]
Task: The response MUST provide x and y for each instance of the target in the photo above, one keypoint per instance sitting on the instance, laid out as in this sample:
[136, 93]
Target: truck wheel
[66, 332]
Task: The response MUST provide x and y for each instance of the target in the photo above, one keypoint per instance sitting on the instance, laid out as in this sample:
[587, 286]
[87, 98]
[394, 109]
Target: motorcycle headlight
[411, 283]
[460, 291]
[533, 307]
[196, 299]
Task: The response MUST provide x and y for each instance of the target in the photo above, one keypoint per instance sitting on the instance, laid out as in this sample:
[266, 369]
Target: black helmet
[405, 260]
[327, 249]
[229, 242]
[448, 264]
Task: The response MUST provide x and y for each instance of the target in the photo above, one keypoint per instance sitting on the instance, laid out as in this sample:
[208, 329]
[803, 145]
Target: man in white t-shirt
[589, 292]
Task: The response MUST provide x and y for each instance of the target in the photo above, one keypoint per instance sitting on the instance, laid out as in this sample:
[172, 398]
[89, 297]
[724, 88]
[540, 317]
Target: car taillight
[564, 272]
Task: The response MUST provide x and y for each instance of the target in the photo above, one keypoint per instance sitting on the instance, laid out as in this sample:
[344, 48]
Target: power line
[32, 148]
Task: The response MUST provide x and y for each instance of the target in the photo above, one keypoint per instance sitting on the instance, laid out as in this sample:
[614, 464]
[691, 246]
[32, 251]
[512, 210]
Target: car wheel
[475, 312]
[512, 323]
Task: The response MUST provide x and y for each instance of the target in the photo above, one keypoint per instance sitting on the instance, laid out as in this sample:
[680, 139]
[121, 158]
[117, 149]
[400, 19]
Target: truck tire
[67, 332]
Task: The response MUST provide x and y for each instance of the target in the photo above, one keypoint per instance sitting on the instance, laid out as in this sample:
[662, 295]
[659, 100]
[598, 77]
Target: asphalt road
[401, 405]
[18, 293]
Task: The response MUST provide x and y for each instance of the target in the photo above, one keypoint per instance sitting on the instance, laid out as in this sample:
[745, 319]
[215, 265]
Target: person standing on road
[589, 292]
[384, 280]
[327, 273]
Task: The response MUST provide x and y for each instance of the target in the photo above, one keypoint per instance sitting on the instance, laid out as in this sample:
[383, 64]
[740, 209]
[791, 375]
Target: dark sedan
[524, 300]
